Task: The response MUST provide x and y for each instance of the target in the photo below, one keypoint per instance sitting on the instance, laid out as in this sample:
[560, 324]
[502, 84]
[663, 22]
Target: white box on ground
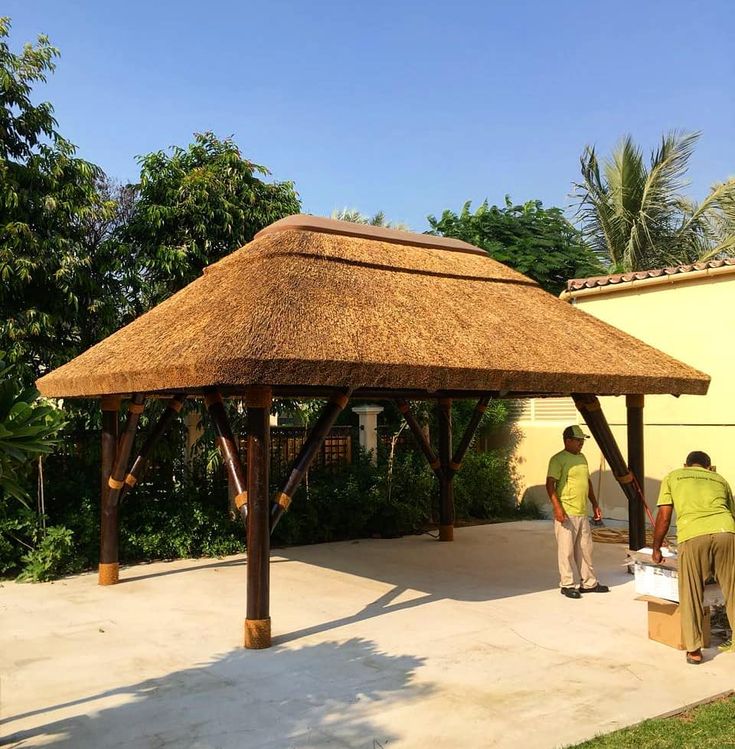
[662, 580]
[656, 580]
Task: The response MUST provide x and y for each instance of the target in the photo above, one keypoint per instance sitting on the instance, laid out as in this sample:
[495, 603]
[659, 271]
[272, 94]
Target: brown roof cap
[366, 231]
[577, 284]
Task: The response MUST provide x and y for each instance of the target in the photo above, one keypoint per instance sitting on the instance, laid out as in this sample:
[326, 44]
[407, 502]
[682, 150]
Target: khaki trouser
[700, 558]
[574, 547]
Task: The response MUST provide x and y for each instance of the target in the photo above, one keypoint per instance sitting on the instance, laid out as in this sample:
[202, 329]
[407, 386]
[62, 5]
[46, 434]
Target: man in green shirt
[705, 514]
[569, 488]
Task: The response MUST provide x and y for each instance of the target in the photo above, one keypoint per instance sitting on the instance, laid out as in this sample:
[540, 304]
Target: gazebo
[318, 308]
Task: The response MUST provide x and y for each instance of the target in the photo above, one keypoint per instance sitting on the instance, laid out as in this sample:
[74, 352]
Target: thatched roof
[315, 303]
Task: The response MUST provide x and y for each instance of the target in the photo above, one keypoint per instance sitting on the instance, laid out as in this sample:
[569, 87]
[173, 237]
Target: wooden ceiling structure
[318, 308]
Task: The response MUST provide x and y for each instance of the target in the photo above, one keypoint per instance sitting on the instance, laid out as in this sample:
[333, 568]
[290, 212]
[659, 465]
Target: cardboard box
[664, 622]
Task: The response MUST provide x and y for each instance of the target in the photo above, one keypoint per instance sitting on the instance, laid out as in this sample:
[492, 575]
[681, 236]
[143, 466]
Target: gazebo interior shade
[316, 302]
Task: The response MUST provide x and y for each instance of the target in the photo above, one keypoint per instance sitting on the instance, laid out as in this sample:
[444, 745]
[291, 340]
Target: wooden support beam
[446, 493]
[420, 437]
[257, 621]
[589, 407]
[125, 445]
[469, 433]
[636, 508]
[309, 449]
[108, 572]
[171, 410]
[228, 449]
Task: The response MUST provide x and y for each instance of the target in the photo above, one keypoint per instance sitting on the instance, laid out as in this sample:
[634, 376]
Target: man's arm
[559, 512]
[663, 521]
[593, 500]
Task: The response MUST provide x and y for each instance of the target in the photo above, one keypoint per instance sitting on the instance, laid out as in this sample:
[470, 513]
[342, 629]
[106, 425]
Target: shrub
[52, 556]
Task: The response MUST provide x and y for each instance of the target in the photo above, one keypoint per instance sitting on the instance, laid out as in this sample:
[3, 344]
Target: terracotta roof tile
[577, 284]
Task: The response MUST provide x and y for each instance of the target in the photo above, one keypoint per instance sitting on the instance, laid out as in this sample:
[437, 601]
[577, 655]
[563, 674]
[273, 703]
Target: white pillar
[369, 428]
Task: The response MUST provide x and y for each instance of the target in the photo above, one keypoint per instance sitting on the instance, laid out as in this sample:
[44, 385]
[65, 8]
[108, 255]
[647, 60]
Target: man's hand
[597, 514]
[657, 556]
[560, 513]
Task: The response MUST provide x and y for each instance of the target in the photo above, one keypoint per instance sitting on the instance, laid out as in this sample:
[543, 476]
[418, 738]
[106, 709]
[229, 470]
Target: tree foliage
[378, 219]
[636, 215]
[27, 428]
[47, 199]
[194, 206]
[536, 241]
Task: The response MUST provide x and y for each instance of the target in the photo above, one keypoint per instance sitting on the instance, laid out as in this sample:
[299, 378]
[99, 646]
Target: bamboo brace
[172, 409]
[307, 454]
[228, 450]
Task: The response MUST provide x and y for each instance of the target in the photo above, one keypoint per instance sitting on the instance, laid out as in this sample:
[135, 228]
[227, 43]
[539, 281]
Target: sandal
[695, 657]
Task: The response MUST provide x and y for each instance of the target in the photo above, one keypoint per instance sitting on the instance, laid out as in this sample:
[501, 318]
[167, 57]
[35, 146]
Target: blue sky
[409, 107]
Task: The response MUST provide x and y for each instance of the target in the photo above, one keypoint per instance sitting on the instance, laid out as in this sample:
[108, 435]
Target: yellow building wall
[690, 320]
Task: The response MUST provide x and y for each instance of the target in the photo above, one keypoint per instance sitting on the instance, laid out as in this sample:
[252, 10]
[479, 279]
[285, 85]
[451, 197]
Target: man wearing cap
[569, 488]
[705, 531]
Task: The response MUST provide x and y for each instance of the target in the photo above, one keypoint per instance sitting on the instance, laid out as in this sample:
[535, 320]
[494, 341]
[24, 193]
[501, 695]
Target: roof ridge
[304, 222]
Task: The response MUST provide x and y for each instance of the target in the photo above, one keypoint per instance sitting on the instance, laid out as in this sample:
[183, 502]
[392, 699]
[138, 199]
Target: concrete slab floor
[377, 643]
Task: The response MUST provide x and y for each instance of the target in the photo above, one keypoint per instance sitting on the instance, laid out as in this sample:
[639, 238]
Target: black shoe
[599, 588]
[570, 592]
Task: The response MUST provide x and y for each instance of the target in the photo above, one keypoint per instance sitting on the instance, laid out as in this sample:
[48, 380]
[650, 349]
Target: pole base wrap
[257, 633]
[109, 574]
[446, 533]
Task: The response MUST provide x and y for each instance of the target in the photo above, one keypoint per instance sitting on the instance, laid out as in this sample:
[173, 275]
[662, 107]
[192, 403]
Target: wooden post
[108, 572]
[228, 448]
[306, 455]
[257, 622]
[636, 509]
[446, 494]
[173, 408]
[589, 407]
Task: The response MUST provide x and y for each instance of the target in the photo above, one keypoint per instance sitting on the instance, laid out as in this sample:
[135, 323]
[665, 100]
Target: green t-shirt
[702, 500]
[572, 481]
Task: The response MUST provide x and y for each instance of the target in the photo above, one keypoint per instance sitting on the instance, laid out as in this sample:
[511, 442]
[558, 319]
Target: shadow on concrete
[483, 563]
[128, 572]
[314, 696]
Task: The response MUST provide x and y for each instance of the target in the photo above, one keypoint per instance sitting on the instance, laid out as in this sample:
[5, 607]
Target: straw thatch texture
[309, 308]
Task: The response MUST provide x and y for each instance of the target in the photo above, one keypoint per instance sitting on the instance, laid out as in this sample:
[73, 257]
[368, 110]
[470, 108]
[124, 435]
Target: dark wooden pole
[309, 449]
[469, 433]
[636, 508]
[446, 494]
[589, 407]
[173, 408]
[228, 449]
[109, 570]
[258, 622]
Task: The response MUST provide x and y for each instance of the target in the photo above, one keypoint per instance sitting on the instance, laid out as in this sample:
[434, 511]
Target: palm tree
[635, 215]
[353, 215]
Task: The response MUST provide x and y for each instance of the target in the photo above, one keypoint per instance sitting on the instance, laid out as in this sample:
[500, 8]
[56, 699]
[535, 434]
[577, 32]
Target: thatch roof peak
[304, 222]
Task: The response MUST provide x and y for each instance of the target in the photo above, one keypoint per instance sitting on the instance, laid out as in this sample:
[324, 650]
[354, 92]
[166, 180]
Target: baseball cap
[575, 432]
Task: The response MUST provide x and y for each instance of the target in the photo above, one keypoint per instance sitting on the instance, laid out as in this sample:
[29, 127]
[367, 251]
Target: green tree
[48, 197]
[194, 206]
[536, 241]
[635, 214]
